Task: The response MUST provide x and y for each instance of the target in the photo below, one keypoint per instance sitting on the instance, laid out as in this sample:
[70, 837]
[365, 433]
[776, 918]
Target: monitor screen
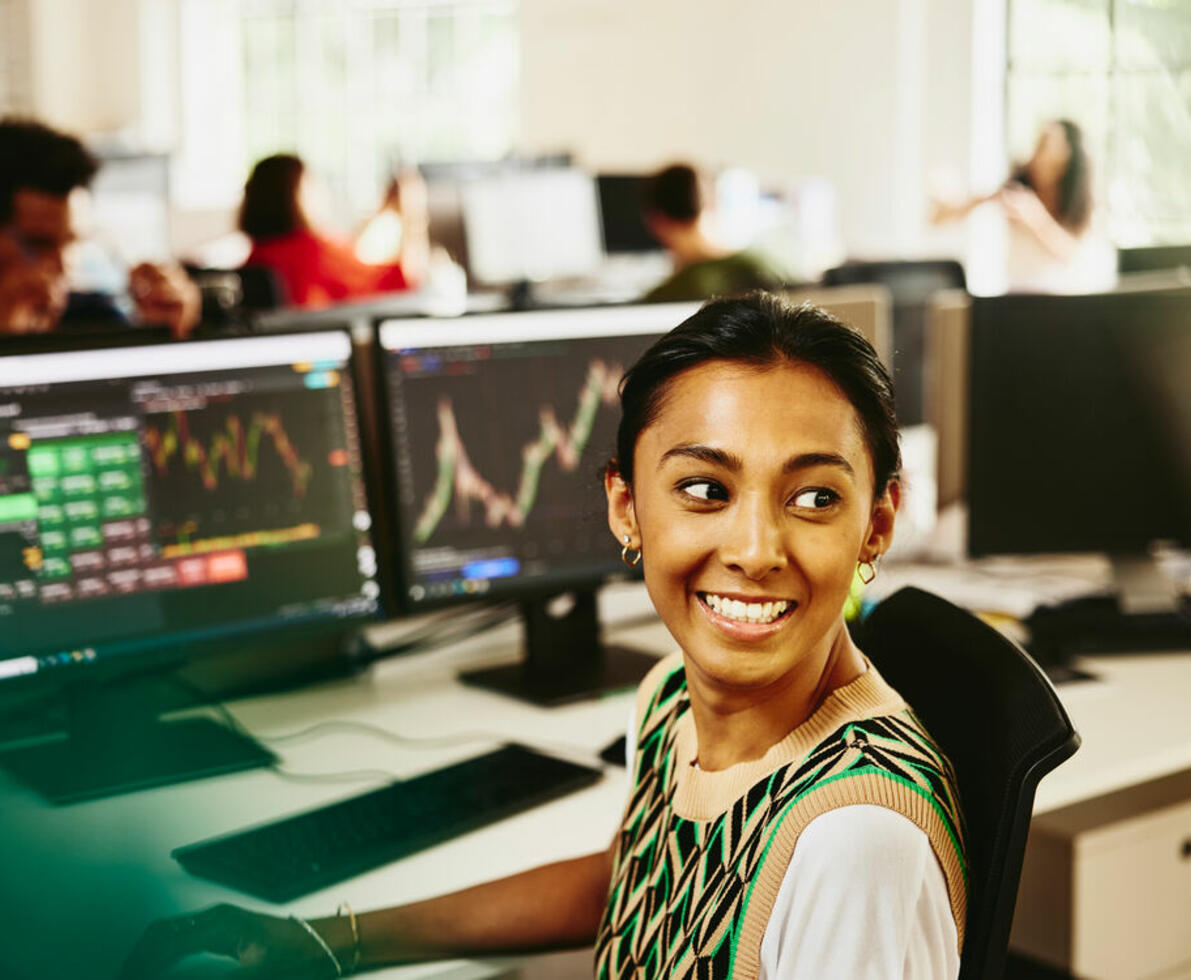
[531, 224]
[157, 498]
[1080, 423]
[500, 426]
[620, 215]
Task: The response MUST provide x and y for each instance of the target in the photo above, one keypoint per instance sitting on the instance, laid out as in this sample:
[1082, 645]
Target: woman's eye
[815, 498]
[704, 490]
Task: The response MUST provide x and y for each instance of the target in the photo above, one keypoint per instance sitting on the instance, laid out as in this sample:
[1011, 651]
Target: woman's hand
[264, 946]
[163, 293]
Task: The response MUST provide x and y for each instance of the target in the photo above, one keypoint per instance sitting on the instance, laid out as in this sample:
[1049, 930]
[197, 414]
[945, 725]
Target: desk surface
[102, 869]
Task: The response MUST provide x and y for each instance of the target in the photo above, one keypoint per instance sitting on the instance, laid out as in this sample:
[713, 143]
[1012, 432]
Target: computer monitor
[1080, 429]
[161, 503]
[531, 225]
[498, 428]
[620, 215]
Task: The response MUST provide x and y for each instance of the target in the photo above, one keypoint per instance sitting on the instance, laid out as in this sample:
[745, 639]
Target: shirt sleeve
[864, 897]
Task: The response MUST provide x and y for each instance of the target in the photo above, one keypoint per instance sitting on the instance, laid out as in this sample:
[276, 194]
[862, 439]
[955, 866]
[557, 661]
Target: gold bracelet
[355, 928]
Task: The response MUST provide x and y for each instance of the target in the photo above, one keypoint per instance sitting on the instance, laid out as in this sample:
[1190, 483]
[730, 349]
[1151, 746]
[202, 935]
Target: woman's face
[752, 502]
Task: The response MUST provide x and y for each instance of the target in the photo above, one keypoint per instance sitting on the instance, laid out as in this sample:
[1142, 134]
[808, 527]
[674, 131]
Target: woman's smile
[745, 620]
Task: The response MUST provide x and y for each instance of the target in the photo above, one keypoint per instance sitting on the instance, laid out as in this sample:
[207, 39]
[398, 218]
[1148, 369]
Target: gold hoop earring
[872, 571]
[633, 561]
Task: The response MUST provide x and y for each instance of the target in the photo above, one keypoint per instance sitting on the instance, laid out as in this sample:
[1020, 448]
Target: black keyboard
[1096, 624]
[283, 860]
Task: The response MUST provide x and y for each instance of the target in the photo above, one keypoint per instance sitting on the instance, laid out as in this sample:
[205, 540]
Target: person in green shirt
[673, 206]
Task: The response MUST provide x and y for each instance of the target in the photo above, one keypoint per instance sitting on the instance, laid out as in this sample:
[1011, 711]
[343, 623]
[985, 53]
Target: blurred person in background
[674, 210]
[1053, 245]
[40, 169]
[312, 267]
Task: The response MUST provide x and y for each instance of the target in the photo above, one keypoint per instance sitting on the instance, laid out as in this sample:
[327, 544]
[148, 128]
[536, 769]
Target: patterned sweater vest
[701, 855]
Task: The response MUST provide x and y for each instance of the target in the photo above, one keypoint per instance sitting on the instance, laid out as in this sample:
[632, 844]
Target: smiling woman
[811, 824]
[788, 815]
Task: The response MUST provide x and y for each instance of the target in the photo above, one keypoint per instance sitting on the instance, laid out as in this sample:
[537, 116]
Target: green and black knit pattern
[682, 889]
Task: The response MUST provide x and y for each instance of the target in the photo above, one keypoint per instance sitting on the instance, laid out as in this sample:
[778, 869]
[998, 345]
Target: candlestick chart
[249, 463]
[459, 479]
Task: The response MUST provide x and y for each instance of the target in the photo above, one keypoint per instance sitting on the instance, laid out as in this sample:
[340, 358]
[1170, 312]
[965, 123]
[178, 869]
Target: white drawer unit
[1106, 885]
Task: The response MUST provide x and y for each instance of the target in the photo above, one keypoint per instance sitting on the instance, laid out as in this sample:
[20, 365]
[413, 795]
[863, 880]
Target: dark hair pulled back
[271, 207]
[763, 330]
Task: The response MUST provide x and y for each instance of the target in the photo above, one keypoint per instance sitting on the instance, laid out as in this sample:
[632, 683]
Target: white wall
[86, 64]
[874, 94]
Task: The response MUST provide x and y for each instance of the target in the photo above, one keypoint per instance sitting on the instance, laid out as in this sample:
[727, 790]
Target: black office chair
[997, 718]
[911, 283]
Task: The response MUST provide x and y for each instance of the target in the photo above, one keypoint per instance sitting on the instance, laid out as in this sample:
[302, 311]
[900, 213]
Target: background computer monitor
[163, 502]
[1153, 258]
[498, 428]
[620, 214]
[1080, 426]
[531, 224]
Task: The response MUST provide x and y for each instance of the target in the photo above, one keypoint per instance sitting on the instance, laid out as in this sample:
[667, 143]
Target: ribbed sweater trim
[876, 788]
[703, 795]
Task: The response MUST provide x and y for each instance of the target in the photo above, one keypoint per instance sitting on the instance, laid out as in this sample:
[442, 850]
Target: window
[358, 88]
[1122, 70]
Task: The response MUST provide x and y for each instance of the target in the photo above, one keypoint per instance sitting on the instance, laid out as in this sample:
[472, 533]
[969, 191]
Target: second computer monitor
[499, 429]
[531, 224]
[1080, 423]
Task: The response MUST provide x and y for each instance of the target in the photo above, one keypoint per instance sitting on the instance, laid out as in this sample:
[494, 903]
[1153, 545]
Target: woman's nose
[753, 542]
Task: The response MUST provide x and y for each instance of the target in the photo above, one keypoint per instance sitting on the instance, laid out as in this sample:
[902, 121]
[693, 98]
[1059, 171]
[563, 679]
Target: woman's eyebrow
[705, 454]
[806, 460]
[733, 463]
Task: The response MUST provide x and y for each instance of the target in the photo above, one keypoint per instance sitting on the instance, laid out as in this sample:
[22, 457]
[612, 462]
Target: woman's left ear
[880, 525]
[622, 516]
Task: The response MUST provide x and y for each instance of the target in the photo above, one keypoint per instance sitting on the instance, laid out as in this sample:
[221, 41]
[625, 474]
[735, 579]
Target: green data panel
[78, 483]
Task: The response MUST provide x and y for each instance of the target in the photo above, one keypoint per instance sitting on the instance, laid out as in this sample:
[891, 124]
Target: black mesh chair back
[911, 284]
[996, 716]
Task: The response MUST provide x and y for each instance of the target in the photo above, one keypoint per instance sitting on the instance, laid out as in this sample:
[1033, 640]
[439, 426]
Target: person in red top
[313, 268]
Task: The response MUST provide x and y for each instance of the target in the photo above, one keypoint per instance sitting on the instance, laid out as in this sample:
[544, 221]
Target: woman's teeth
[746, 612]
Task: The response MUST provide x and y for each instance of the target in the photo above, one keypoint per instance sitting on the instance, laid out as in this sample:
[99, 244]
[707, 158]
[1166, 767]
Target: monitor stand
[565, 660]
[115, 743]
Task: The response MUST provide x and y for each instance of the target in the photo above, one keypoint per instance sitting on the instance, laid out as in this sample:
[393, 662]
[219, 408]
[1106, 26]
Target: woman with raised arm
[788, 815]
[314, 268]
[1053, 244]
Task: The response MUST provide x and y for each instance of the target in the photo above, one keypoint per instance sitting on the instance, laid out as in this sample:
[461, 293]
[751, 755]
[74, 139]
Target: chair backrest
[996, 716]
[868, 307]
[1153, 258]
[261, 288]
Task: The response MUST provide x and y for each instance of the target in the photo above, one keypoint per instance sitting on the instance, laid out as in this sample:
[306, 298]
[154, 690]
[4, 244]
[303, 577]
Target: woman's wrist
[337, 933]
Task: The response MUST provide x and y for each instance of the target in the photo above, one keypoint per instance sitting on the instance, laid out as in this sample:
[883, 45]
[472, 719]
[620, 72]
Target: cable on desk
[368, 728]
[349, 725]
[348, 776]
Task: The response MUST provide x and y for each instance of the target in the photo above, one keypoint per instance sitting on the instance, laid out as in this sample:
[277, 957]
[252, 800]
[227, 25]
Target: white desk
[78, 883]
